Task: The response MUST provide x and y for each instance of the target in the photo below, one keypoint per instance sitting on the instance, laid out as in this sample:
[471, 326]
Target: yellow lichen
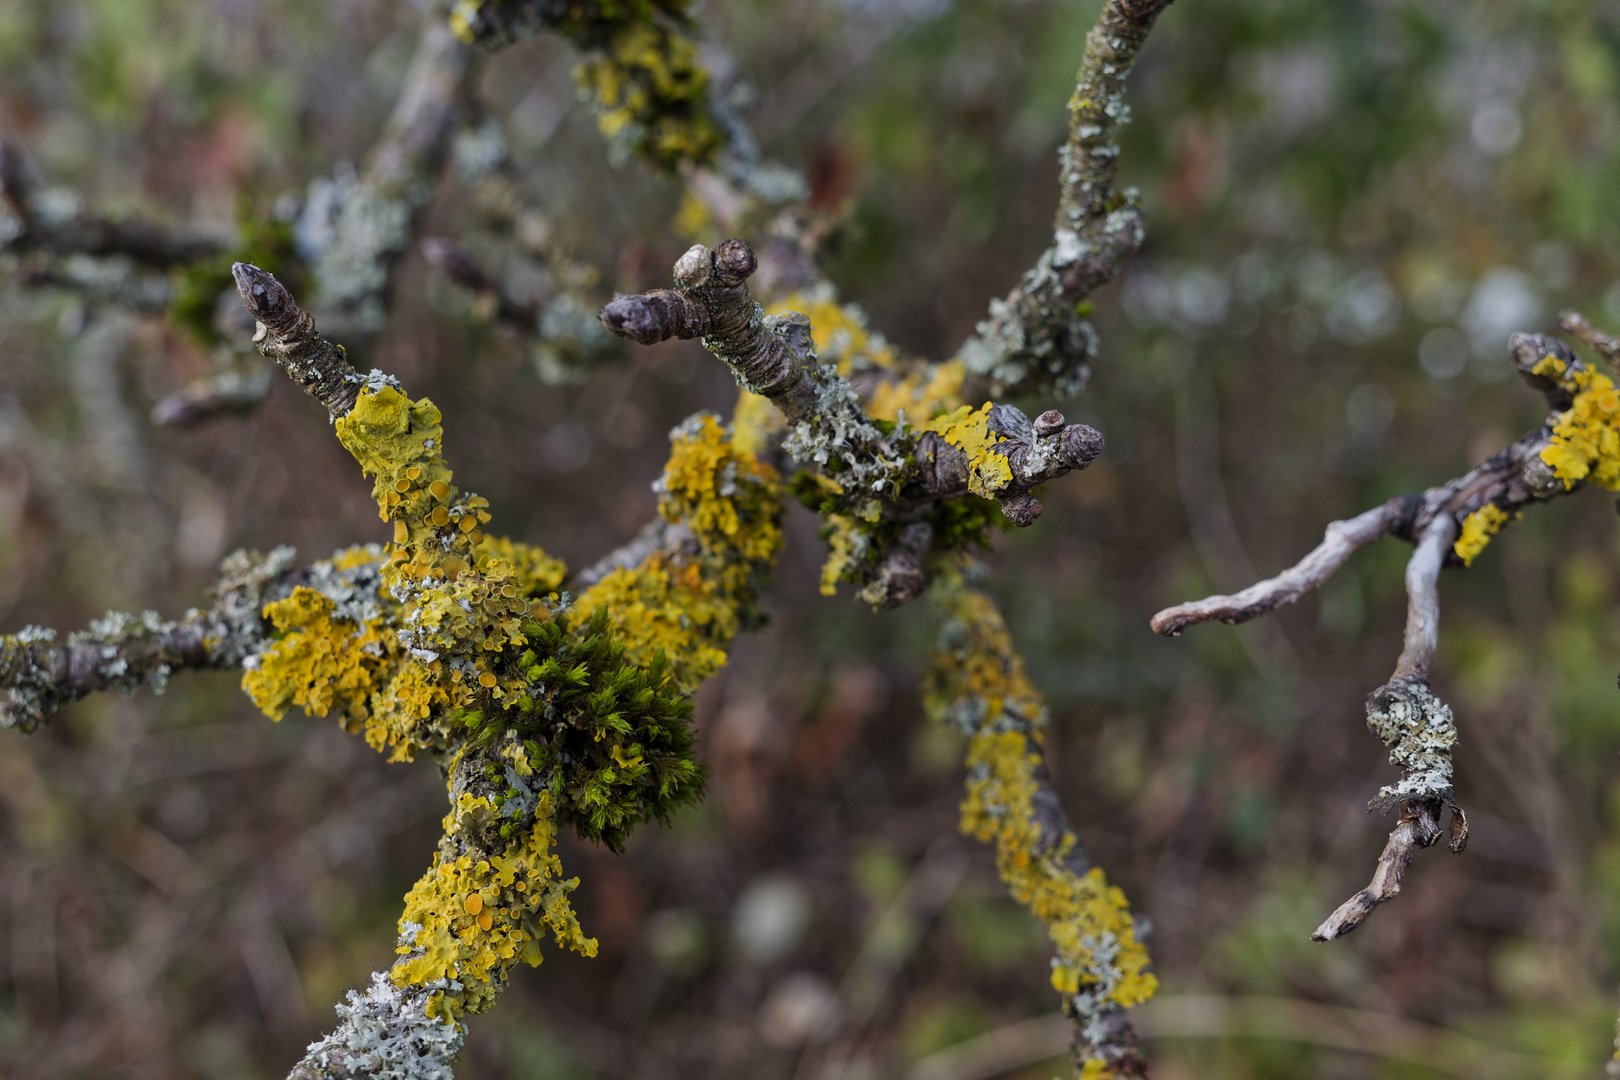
[755, 422]
[1478, 528]
[319, 663]
[527, 568]
[839, 331]
[1089, 920]
[727, 497]
[690, 608]
[968, 429]
[648, 86]
[479, 916]
[921, 395]
[694, 221]
[1585, 442]
[976, 682]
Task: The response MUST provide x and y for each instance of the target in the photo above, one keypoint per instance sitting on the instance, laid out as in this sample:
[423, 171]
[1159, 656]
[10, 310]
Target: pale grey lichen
[386, 1034]
[40, 674]
[354, 590]
[1419, 730]
[476, 152]
[569, 341]
[349, 233]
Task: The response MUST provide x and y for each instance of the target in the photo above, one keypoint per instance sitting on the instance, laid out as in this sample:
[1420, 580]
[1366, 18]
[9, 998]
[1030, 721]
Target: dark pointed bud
[1049, 422]
[265, 298]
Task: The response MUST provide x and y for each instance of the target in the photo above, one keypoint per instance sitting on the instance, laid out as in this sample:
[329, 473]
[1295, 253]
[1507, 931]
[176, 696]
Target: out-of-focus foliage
[1350, 205]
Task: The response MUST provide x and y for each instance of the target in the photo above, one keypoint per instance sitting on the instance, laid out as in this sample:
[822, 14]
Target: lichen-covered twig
[286, 334]
[894, 471]
[41, 674]
[1546, 462]
[975, 683]
[464, 647]
[1418, 729]
[1573, 324]
[354, 227]
[1037, 338]
[1450, 524]
[640, 70]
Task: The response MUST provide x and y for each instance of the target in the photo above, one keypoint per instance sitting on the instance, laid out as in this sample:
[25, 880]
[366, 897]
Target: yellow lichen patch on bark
[755, 422]
[669, 607]
[320, 663]
[729, 499]
[690, 607]
[1585, 442]
[1478, 528]
[472, 919]
[531, 571]
[1088, 919]
[976, 683]
[968, 429]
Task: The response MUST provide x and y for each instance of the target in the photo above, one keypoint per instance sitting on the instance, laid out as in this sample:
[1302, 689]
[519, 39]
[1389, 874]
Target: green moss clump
[263, 242]
[611, 741]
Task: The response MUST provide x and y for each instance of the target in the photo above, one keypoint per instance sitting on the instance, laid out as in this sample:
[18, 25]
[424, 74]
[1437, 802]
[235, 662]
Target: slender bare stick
[1342, 540]
[1605, 346]
[1423, 599]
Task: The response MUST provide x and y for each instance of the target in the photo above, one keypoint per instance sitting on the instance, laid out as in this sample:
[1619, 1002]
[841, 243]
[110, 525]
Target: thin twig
[1342, 539]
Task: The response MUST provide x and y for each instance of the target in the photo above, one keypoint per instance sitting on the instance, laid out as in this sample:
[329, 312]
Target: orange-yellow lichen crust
[689, 607]
[399, 673]
[839, 331]
[324, 659]
[471, 918]
[968, 429]
[1478, 528]
[319, 663]
[976, 682]
[1585, 442]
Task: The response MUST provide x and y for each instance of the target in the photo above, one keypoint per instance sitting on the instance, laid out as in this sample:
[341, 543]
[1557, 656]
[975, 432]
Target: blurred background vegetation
[1351, 203]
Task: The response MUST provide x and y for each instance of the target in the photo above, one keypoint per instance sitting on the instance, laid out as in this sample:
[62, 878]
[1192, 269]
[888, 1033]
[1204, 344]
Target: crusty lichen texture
[1419, 730]
[543, 710]
[640, 73]
[1478, 528]
[882, 487]
[491, 895]
[1585, 442]
[976, 684]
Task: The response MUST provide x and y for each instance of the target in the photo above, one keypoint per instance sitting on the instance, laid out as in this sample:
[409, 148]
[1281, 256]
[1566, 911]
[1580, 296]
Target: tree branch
[40, 225]
[42, 675]
[975, 683]
[772, 356]
[354, 228]
[1450, 524]
[1036, 338]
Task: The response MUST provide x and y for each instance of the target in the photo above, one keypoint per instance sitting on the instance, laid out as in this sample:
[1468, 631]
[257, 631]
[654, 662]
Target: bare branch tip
[642, 318]
[265, 298]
